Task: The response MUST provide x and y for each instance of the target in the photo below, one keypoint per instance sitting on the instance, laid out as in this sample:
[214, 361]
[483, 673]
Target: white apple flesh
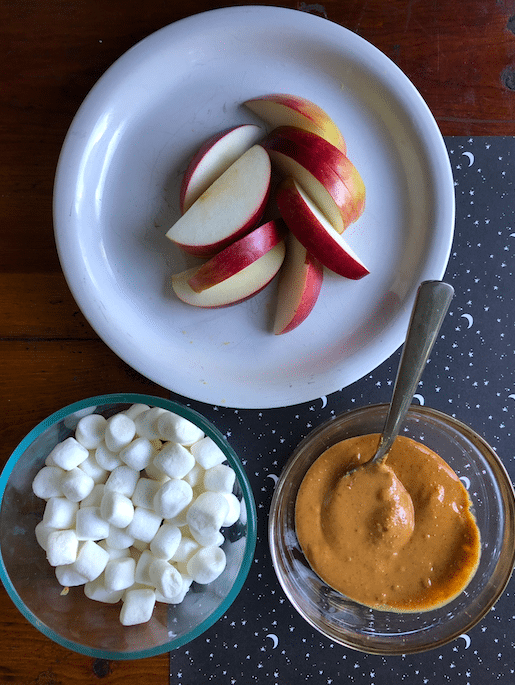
[300, 281]
[315, 232]
[228, 209]
[281, 109]
[238, 255]
[241, 286]
[213, 158]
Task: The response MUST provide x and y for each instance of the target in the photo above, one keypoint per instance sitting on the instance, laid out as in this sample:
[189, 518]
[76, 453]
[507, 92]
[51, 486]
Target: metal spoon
[431, 305]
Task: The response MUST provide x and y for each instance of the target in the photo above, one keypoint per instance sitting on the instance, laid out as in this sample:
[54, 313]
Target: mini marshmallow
[166, 579]
[90, 431]
[60, 513]
[174, 460]
[116, 509]
[144, 492]
[176, 428]
[142, 572]
[146, 423]
[95, 589]
[165, 542]
[138, 454]
[144, 524]
[206, 564]
[47, 482]
[106, 459]
[172, 497]
[118, 538]
[114, 553]
[138, 606]
[195, 476]
[136, 409]
[156, 474]
[120, 430]
[94, 498]
[90, 525]
[122, 479]
[186, 583]
[206, 516]
[119, 573]
[61, 548]
[185, 550]
[68, 576]
[42, 532]
[93, 469]
[91, 560]
[68, 454]
[234, 511]
[76, 484]
[207, 453]
[219, 478]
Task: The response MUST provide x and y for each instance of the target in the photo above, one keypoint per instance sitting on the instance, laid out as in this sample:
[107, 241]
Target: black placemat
[470, 376]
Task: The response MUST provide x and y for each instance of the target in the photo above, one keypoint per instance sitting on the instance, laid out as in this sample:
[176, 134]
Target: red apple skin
[238, 255]
[322, 241]
[327, 163]
[248, 134]
[300, 282]
[282, 109]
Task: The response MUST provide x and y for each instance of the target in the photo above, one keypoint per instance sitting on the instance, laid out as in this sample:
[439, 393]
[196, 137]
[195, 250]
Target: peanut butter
[398, 535]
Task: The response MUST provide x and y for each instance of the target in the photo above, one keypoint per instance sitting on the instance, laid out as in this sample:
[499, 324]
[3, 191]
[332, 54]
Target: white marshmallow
[142, 572]
[156, 474]
[95, 589]
[166, 579]
[47, 482]
[219, 478]
[185, 550]
[91, 560]
[60, 513]
[174, 460]
[68, 454]
[119, 573]
[195, 476]
[206, 564]
[180, 520]
[206, 516]
[73, 419]
[179, 597]
[90, 525]
[137, 607]
[144, 524]
[76, 484]
[234, 511]
[94, 498]
[93, 469]
[68, 576]
[146, 423]
[114, 553]
[176, 428]
[106, 459]
[42, 532]
[118, 538]
[120, 430]
[138, 454]
[116, 509]
[122, 479]
[144, 492]
[165, 542]
[172, 497]
[90, 431]
[136, 409]
[207, 453]
[62, 546]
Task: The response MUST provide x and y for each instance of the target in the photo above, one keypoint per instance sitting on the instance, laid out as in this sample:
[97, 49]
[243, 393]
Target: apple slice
[213, 158]
[228, 209]
[324, 171]
[280, 109]
[238, 255]
[300, 281]
[315, 232]
[244, 284]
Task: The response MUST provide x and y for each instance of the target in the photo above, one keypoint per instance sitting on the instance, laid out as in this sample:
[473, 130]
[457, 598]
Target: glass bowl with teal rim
[68, 616]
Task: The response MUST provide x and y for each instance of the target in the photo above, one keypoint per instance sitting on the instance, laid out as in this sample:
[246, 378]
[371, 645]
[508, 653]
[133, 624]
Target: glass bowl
[81, 624]
[386, 632]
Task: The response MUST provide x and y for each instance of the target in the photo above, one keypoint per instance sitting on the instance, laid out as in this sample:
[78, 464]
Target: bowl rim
[248, 496]
[471, 435]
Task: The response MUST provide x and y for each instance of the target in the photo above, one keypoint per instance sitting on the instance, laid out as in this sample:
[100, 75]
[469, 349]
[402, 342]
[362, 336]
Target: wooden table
[461, 57]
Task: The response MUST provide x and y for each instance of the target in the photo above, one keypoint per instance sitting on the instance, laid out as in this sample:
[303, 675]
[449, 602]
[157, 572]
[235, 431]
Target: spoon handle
[431, 305]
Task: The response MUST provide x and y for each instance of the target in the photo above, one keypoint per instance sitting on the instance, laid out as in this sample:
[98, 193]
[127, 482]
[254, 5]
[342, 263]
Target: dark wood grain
[460, 56]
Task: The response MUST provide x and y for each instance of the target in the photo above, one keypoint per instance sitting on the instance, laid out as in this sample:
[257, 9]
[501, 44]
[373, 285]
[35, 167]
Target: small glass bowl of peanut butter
[347, 573]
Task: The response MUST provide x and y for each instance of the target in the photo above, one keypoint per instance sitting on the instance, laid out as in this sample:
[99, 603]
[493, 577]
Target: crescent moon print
[420, 399]
[274, 638]
[469, 318]
[273, 477]
[470, 157]
[467, 640]
[466, 482]
[324, 401]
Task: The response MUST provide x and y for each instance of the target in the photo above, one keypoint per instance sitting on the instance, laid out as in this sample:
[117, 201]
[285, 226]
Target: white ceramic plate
[116, 193]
